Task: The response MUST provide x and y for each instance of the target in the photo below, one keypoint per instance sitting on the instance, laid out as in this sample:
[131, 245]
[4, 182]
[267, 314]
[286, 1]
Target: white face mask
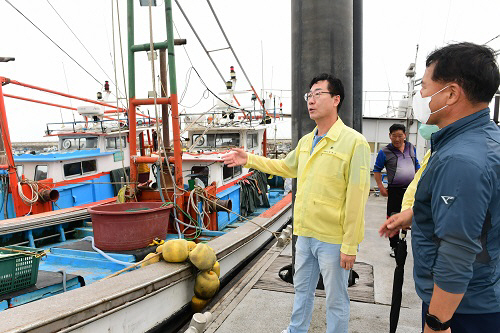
[421, 107]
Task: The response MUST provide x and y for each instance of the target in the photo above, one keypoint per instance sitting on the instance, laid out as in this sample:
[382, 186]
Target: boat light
[233, 73]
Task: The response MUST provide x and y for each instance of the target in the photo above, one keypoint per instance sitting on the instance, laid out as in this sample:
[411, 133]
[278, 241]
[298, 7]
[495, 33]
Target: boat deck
[76, 260]
[261, 302]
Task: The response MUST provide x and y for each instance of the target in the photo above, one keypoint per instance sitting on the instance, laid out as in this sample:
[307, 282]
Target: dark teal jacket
[456, 223]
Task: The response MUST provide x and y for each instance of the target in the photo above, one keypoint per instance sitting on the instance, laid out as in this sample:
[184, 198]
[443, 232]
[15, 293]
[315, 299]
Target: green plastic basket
[18, 270]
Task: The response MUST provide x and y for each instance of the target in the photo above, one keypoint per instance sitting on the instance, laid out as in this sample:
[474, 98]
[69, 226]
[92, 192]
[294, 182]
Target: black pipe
[322, 42]
[357, 53]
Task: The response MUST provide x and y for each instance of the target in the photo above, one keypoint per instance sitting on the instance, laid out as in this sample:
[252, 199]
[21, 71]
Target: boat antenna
[416, 54]
[67, 88]
[262, 67]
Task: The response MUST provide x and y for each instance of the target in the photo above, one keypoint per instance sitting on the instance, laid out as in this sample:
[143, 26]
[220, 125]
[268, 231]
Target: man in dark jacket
[400, 162]
[456, 214]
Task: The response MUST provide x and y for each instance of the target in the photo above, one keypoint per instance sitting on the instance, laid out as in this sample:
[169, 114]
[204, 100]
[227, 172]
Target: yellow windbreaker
[332, 185]
[409, 196]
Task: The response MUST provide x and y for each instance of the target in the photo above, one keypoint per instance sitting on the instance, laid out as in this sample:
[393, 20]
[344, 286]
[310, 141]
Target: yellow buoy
[206, 285]
[191, 245]
[151, 261]
[216, 268]
[197, 304]
[203, 257]
[175, 250]
[159, 249]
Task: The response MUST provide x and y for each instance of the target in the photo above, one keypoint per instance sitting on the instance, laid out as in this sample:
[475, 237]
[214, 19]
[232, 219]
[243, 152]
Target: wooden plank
[48, 218]
[362, 291]
[226, 305]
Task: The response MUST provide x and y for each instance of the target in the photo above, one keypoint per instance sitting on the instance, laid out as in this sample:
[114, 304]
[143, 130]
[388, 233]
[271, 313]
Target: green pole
[131, 56]
[170, 47]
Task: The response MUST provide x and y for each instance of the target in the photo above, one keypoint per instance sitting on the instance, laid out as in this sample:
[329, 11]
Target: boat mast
[172, 100]
[7, 146]
[236, 57]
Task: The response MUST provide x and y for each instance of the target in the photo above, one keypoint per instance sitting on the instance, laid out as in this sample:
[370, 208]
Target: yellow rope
[29, 253]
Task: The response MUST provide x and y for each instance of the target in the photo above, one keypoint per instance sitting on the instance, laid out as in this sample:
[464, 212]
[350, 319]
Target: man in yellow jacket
[332, 167]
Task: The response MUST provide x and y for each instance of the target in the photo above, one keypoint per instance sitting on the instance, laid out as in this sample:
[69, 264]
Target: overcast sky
[392, 29]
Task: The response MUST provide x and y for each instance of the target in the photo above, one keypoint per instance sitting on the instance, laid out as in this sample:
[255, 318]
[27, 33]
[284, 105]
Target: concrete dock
[254, 303]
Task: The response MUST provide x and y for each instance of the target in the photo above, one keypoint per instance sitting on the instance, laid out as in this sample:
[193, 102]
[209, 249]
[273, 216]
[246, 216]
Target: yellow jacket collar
[334, 131]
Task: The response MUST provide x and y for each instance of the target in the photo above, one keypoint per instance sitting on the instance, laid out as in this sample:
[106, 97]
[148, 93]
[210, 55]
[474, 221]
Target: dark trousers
[394, 201]
[470, 323]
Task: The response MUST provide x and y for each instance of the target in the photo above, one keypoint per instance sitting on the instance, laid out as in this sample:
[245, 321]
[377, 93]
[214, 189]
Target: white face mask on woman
[421, 106]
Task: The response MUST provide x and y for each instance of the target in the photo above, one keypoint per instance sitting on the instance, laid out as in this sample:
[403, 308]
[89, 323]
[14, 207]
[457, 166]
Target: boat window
[72, 169]
[201, 172]
[228, 172]
[20, 170]
[227, 140]
[41, 172]
[251, 140]
[79, 143]
[114, 142]
[90, 143]
[89, 166]
[202, 141]
[217, 140]
[237, 171]
[79, 168]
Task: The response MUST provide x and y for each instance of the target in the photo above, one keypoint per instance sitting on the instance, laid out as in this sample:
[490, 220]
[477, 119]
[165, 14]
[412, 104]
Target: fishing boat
[75, 250]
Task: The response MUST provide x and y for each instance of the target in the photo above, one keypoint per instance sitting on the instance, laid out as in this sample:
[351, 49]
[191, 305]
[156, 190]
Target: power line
[52, 41]
[90, 54]
[492, 39]
[215, 95]
[188, 75]
[201, 80]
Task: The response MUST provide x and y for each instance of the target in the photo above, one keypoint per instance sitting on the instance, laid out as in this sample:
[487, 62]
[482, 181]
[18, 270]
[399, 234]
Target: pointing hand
[237, 156]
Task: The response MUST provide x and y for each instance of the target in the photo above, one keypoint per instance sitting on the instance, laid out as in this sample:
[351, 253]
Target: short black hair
[471, 66]
[335, 86]
[397, 127]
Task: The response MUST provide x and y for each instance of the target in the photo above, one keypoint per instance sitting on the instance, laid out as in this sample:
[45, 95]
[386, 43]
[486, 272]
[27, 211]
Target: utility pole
[322, 42]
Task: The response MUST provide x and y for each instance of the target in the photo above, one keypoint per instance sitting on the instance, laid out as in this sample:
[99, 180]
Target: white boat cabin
[78, 155]
[203, 159]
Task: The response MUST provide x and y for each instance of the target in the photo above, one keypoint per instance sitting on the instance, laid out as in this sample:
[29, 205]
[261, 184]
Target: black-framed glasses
[315, 95]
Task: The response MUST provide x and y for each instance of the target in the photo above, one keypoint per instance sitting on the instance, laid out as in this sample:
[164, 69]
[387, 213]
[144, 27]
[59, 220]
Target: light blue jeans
[311, 258]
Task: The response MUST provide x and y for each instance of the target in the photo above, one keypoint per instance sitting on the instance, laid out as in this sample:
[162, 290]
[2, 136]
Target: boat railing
[236, 117]
[94, 125]
[386, 103]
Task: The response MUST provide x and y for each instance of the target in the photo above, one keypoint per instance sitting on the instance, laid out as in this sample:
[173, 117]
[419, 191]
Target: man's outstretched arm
[286, 167]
